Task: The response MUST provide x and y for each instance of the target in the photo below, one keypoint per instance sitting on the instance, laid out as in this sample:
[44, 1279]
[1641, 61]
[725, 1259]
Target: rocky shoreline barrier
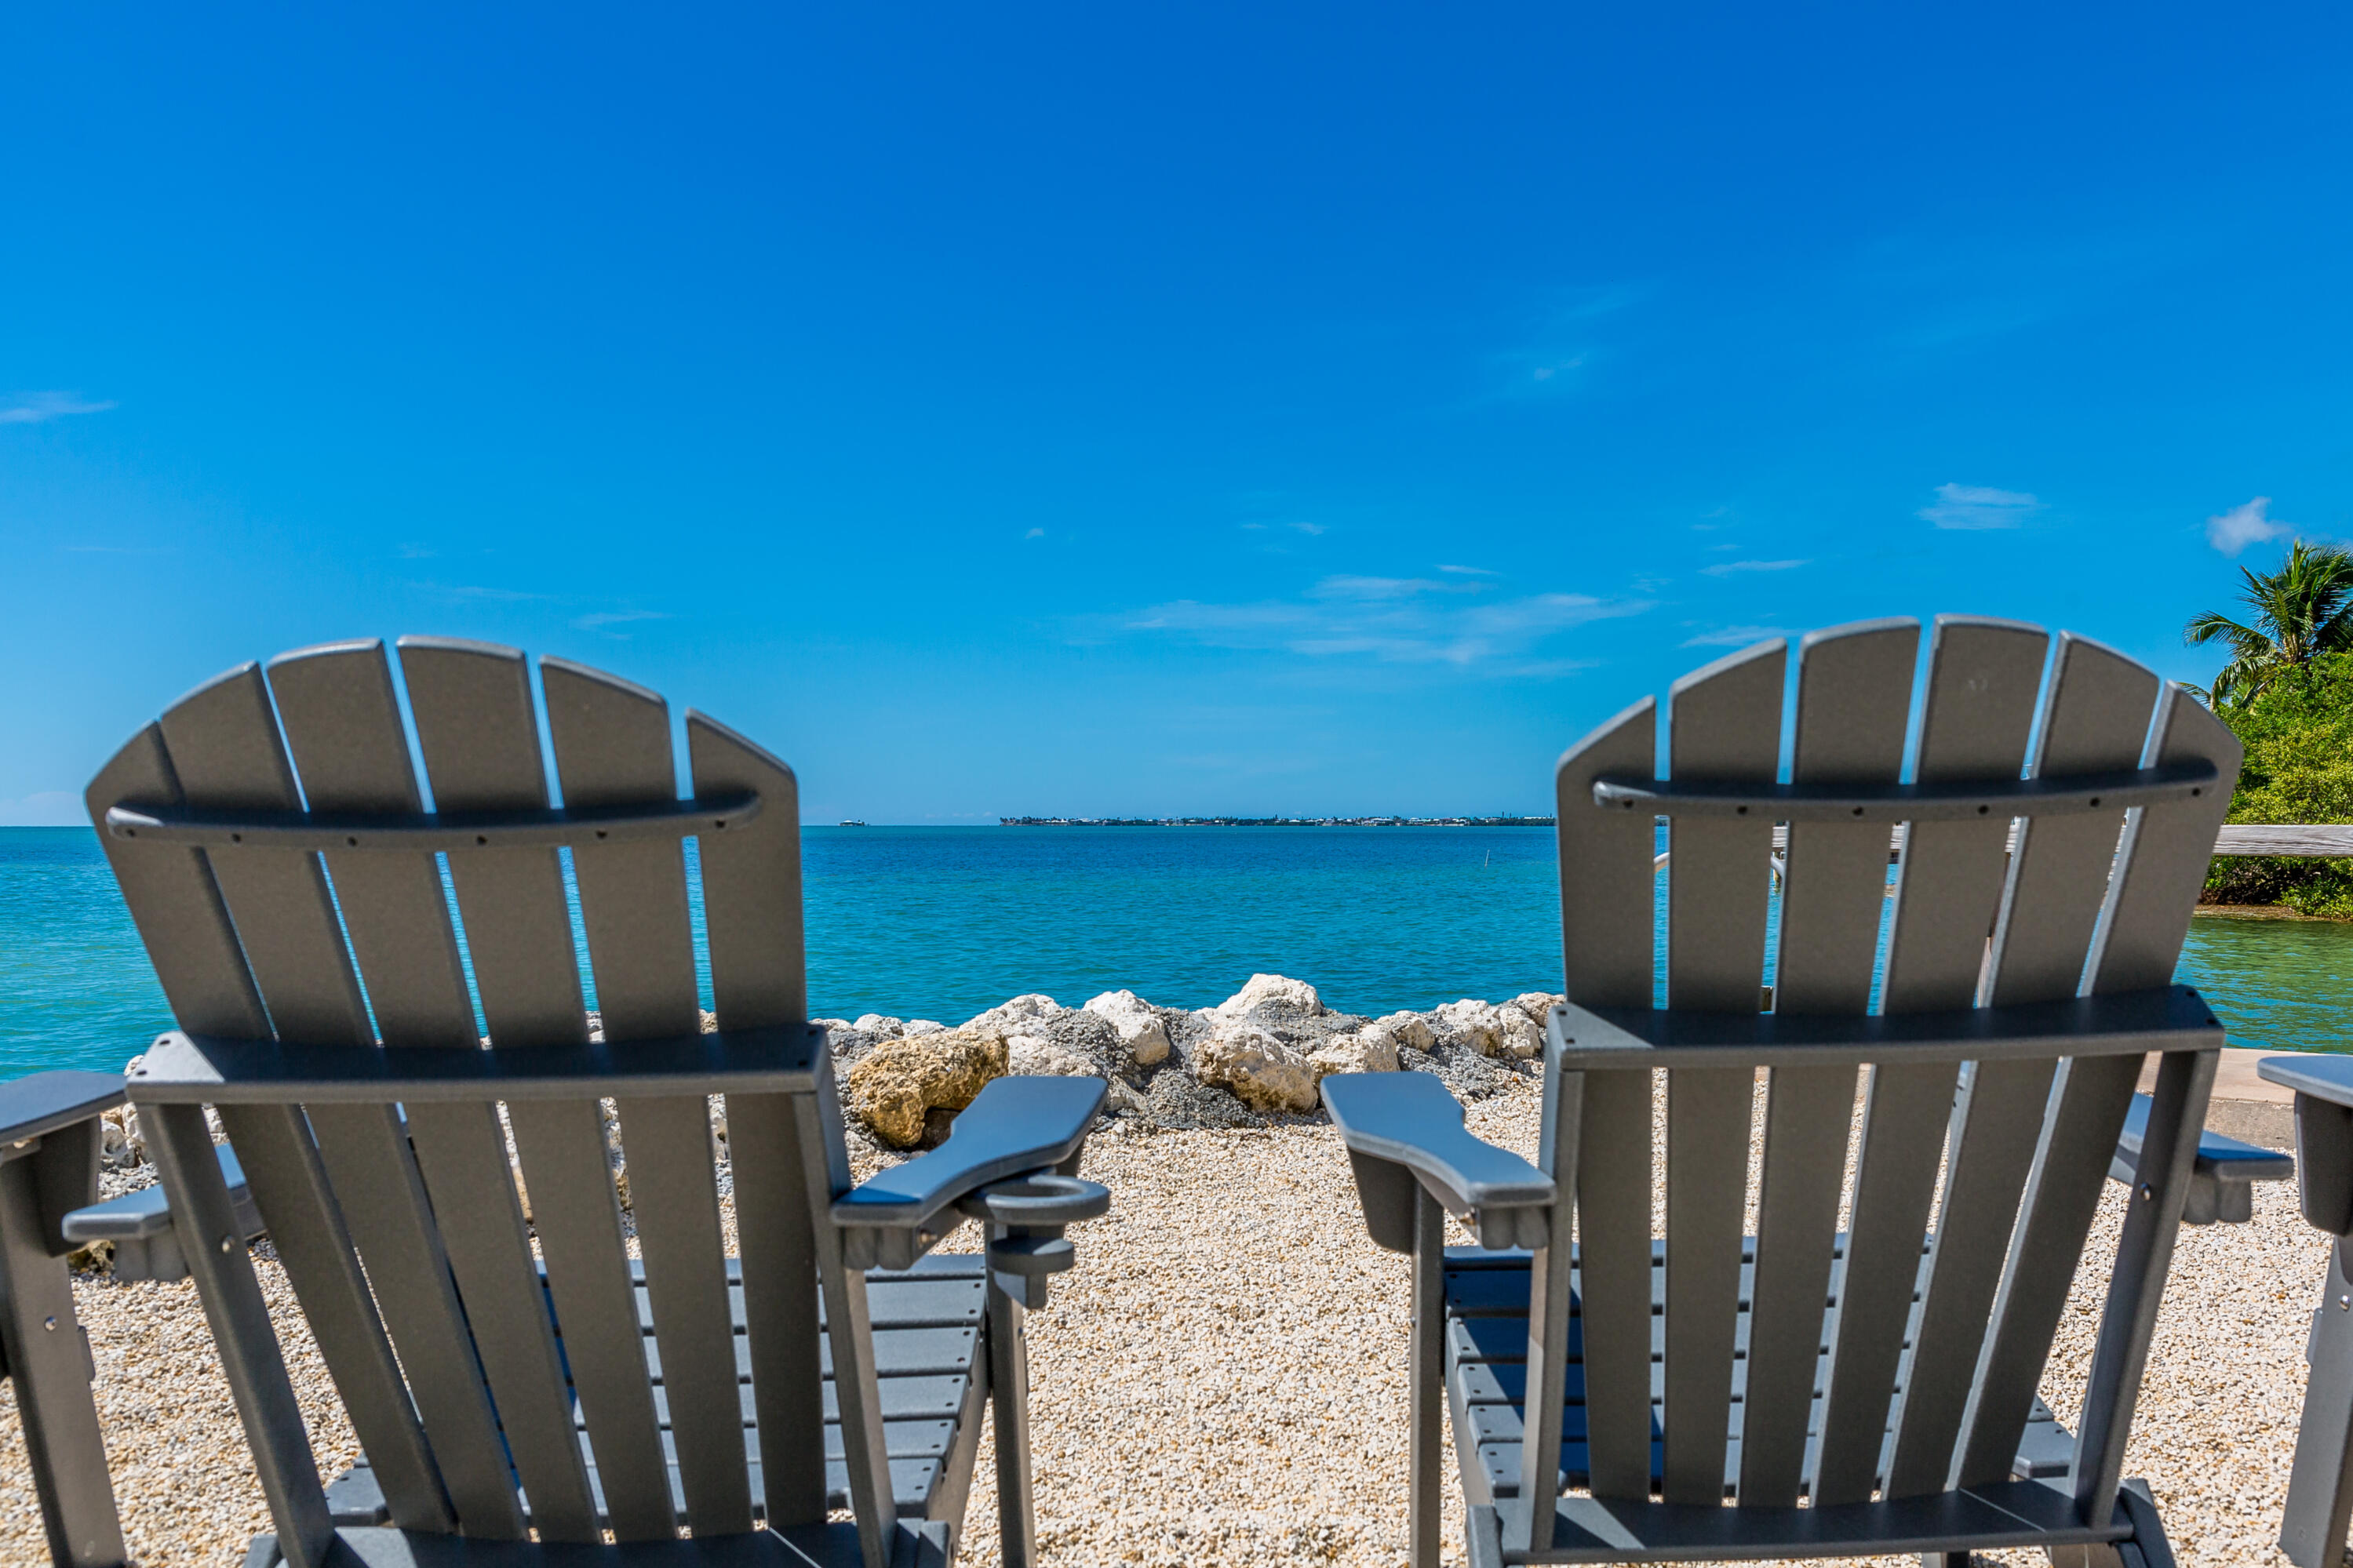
[1255, 1060]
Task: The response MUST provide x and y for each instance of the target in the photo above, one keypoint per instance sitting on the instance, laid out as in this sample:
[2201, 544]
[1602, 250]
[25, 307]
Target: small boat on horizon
[853, 822]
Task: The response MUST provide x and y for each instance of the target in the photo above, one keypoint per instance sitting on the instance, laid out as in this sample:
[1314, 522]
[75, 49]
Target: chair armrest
[140, 1226]
[47, 1102]
[1015, 1125]
[2220, 1190]
[49, 1120]
[1402, 1123]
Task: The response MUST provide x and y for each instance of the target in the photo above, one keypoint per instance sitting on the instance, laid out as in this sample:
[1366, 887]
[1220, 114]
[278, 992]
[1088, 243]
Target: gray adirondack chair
[525, 1381]
[1854, 1370]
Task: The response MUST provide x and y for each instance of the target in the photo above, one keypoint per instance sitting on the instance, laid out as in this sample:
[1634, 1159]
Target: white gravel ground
[1220, 1381]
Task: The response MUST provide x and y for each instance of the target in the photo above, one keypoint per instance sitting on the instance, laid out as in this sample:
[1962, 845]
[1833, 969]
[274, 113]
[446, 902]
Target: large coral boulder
[1259, 1070]
[893, 1088]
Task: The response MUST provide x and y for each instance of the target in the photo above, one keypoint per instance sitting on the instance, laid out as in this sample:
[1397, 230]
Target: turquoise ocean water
[941, 923]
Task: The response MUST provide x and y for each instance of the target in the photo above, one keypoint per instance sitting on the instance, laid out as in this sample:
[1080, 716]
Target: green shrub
[2299, 733]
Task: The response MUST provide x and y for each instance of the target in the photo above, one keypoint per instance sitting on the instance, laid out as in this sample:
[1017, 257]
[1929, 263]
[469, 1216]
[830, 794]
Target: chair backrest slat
[228, 752]
[1606, 865]
[1613, 1221]
[613, 747]
[578, 1217]
[1854, 699]
[173, 900]
[751, 895]
[475, 724]
[1607, 870]
[1979, 709]
[2168, 848]
[1726, 722]
[2095, 721]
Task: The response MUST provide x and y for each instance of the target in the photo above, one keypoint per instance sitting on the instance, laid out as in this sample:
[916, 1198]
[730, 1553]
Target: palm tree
[2301, 611]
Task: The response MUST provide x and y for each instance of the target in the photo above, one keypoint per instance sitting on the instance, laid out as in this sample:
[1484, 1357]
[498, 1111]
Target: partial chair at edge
[1836, 1383]
[636, 1373]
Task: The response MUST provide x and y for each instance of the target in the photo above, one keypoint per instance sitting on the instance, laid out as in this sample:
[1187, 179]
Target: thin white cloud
[40, 407]
[2235, 529]
[1393, 620]
[1736, 637]
[598, 620]
[1472, 571]
[1726, 568]
[1975, 507]
[1035, 533]
[1344, 586]
[1310, 528]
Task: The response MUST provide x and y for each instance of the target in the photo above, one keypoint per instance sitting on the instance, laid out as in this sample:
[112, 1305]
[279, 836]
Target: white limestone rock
[1139, 1026]
[1472, 1025]
[918, 1027]
[1522, 1038]
[1273, 990]
[1007, 1018]
[1368, 1050]
[1538, 1004]
[1259, 1070]
[1032, 1056]
[1411, 1030]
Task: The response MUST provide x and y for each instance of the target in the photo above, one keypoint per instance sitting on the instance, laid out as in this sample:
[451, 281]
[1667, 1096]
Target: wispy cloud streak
[1392, 620]
[40, 407]
[1979, 507]
[1726, 568]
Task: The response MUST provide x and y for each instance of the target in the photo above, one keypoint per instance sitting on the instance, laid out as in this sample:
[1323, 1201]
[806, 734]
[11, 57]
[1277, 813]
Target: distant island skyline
[1273, 822]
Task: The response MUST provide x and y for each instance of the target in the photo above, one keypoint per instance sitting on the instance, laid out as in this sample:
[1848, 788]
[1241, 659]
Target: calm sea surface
[941, 923]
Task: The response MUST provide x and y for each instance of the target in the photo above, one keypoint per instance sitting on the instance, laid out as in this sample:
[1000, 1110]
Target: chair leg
[45, 1356]
[1008, 1396]
[1426, 1372]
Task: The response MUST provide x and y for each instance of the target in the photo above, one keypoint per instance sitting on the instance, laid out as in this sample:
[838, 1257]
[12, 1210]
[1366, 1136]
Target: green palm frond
[2300, 611]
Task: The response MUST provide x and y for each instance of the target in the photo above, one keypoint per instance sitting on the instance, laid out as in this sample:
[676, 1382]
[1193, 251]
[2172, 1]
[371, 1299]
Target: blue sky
[1118, 410]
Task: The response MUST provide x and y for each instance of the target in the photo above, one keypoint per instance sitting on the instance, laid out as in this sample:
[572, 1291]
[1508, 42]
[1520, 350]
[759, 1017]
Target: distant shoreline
[1274, 822]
